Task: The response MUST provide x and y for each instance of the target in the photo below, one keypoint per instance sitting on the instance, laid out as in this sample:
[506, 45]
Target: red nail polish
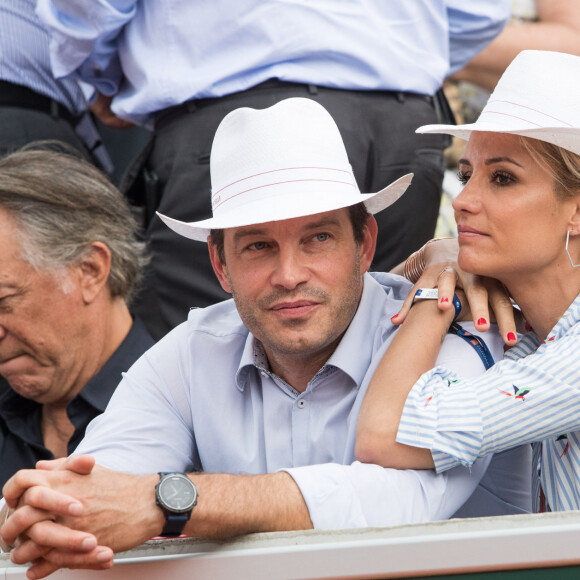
[444, 299]
[511, 336]
[482, 321]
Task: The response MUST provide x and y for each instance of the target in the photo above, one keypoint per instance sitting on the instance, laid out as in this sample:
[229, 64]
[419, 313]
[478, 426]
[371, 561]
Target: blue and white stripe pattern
[24, 55]
[533, 394]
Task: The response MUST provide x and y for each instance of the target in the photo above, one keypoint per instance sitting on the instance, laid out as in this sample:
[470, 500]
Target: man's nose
[290, 269]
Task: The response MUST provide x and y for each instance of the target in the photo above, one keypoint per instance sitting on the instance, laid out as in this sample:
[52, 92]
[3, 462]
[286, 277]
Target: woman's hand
[438, 262]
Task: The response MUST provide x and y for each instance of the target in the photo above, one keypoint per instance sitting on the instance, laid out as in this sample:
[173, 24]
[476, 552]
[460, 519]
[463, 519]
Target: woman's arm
[412, 352]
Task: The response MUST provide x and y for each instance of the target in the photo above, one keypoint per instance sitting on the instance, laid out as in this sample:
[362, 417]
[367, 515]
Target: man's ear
[219, 267]
[93, 271]
[369, 243]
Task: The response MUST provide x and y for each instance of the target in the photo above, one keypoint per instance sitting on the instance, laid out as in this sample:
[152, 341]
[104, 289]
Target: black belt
[12, 95]
[194, 104]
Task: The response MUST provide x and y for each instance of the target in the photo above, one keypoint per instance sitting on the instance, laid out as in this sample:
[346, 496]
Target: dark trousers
[378, 129]
[19, 126]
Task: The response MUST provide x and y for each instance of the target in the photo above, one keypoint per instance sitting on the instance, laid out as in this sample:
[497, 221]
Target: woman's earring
[569, 256]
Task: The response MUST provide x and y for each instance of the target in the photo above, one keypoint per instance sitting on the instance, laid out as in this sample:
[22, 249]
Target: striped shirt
[25, 59]
[531, 395]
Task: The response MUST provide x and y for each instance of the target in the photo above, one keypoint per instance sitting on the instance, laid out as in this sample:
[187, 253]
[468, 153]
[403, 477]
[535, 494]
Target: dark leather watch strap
[174, 524]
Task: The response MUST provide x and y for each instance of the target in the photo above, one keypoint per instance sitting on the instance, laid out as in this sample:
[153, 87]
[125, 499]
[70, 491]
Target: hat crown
[539, 89]
[295, 141]
[283, 162]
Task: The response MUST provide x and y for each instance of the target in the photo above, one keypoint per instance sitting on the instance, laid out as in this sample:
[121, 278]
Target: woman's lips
[466, 232]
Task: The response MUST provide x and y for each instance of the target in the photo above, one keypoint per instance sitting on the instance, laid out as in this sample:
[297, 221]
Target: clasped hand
[53, 506]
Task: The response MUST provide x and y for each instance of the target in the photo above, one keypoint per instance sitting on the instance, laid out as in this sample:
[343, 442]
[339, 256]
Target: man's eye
[321, 237]
[258, 246]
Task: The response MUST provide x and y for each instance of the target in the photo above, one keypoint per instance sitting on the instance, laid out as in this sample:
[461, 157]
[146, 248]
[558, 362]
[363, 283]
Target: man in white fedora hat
[268, 384]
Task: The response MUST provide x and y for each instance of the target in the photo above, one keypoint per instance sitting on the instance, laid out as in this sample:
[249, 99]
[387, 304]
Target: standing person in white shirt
[179, 67]
[267, 385]
[33, 104]
[518, 220]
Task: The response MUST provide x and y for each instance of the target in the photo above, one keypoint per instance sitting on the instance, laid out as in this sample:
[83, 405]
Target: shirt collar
[531, 342]
[99, 390]
[568, 320]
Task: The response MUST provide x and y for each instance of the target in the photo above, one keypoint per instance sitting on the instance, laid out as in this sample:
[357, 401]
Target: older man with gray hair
[70, 259]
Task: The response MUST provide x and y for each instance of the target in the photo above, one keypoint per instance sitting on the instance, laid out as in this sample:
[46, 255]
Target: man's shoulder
[219, 320]
[395, 287]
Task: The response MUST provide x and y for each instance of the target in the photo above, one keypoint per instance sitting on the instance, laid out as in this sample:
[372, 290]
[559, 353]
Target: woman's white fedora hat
[538, 96]
[278, 163]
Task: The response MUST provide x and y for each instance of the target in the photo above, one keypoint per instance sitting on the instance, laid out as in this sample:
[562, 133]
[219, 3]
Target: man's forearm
[121, 512]
[230, 505]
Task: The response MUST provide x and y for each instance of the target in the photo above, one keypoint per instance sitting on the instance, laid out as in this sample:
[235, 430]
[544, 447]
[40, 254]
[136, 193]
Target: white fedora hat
[538, 96]
[278, 163]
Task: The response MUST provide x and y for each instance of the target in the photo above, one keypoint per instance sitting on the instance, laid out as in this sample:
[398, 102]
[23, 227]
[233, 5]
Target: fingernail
[511, 336]
[89, 543]
[482, 321]
[444, 299]
[393, 317]
[75, 509]
[103, 555]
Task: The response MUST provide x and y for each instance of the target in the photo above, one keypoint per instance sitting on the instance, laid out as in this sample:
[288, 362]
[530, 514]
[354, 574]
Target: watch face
[177, 493]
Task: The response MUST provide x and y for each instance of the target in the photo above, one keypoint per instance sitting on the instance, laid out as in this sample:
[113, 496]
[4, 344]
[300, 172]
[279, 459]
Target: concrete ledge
[437, 548]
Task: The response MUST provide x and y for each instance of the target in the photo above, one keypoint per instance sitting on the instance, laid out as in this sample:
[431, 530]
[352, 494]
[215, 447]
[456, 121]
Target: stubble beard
[330, 328]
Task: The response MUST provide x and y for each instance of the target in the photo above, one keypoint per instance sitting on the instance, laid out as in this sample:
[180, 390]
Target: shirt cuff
[329, 495]
[442, 414]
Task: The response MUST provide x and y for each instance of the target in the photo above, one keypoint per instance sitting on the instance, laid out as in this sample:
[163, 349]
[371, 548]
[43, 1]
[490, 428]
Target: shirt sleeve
[362, 494]
[517, 401]
[472, 26]
[84, 39]
[147, 426]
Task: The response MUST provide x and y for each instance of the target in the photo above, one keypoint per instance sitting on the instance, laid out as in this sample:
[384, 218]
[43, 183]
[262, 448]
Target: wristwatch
[176, 495]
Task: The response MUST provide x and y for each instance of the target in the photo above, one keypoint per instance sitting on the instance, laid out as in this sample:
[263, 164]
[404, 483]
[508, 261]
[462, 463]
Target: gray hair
[61, 205]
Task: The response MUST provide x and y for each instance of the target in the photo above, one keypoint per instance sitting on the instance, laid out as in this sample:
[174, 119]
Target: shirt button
[301, 404]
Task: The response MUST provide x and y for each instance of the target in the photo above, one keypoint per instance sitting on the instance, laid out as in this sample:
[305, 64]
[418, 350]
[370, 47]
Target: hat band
[506, 112]
[303, 177]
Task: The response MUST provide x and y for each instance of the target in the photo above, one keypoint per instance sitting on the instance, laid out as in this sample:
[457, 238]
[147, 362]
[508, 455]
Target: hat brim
[288, 207]
[566, 137]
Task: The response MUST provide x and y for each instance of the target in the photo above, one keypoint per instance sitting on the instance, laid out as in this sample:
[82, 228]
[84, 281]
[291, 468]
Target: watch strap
[174, 524]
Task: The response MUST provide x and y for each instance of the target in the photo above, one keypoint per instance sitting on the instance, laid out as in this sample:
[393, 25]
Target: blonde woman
[518, 220]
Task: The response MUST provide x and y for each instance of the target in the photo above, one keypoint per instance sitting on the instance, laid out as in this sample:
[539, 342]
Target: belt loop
[400, 97]
[54, 109]
[312, 89]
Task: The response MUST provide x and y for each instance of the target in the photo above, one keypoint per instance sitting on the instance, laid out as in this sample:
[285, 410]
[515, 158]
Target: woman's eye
[462, 177]
[502, 178]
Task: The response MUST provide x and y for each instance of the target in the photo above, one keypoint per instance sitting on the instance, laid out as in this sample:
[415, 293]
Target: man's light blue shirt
[24, 55]
[203, 398]
[170, 51]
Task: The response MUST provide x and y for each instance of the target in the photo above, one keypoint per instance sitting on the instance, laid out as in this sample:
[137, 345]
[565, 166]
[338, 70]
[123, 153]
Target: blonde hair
[563, 165]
